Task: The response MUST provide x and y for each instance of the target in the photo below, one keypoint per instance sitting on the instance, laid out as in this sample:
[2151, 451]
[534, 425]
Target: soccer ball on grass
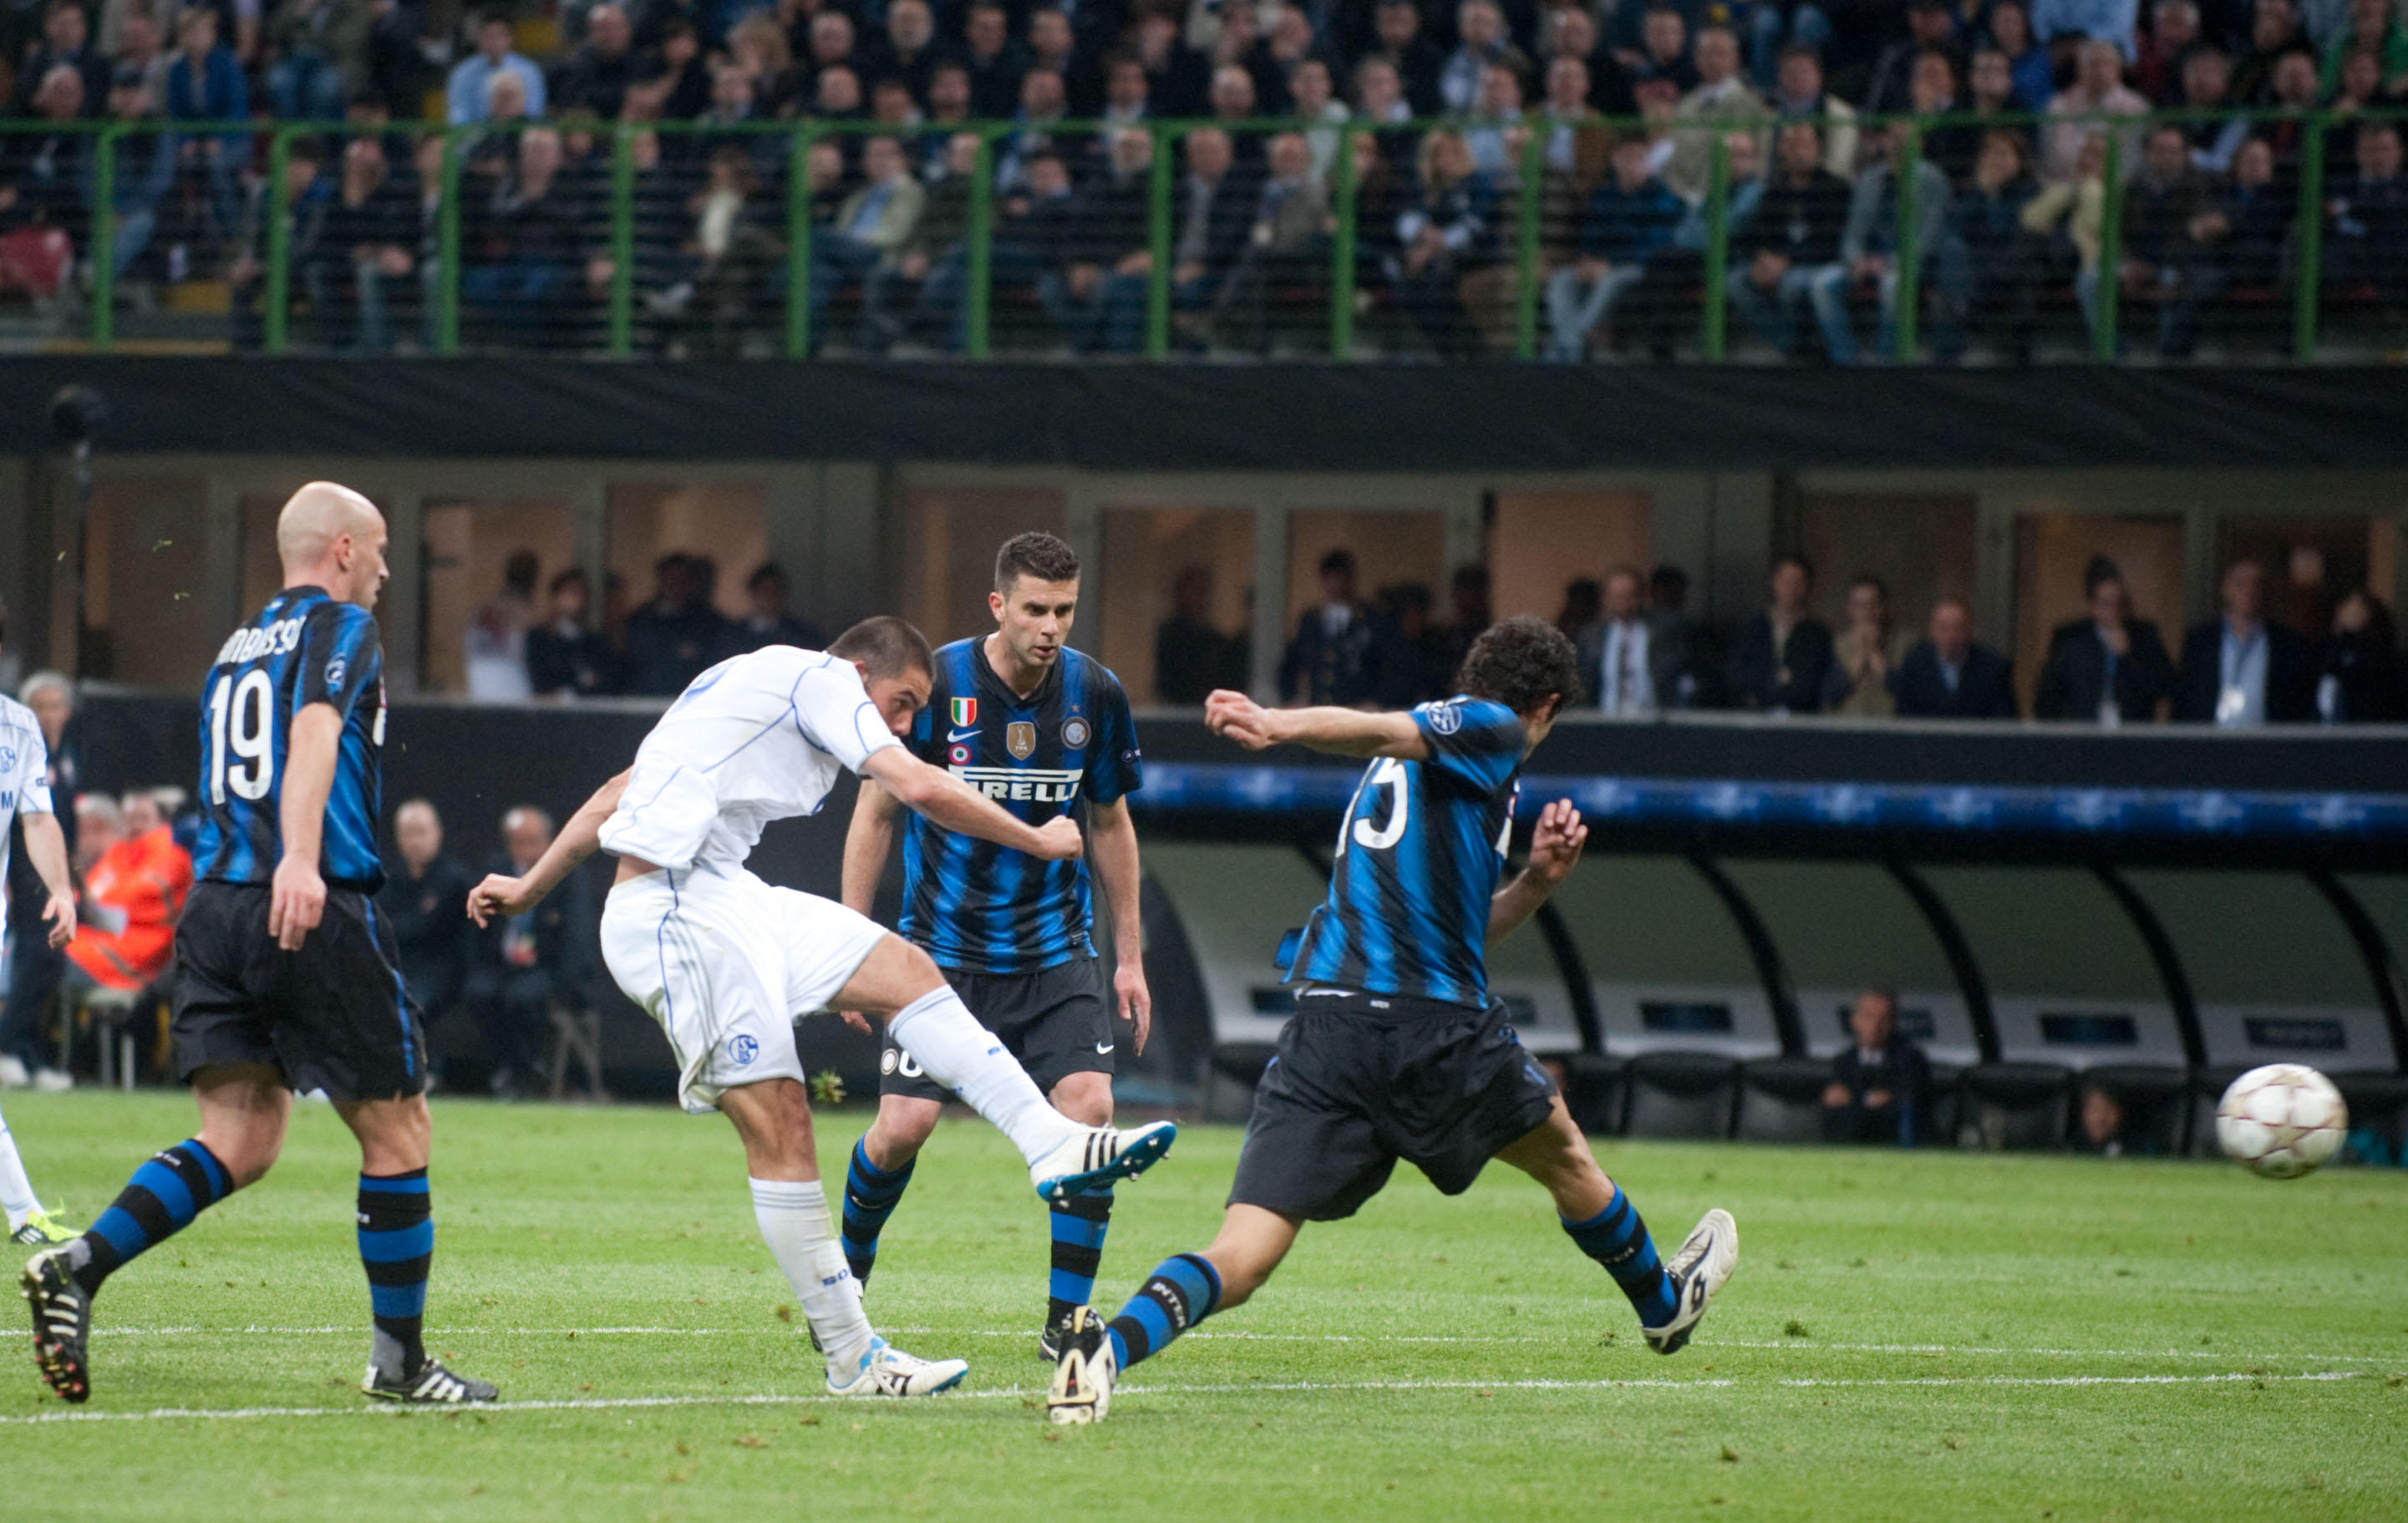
[2281, 1120]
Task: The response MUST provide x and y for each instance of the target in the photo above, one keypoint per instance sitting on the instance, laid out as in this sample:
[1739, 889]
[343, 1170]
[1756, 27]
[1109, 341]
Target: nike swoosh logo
[954, 738]
[1103, 1048]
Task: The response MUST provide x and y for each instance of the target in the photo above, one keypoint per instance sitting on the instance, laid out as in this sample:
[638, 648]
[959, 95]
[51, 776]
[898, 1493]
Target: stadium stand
[1144, 181]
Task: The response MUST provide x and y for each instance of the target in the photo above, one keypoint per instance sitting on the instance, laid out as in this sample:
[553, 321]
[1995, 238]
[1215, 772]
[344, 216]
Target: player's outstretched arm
[1555, 851]
[866, 841]
[1340, 732]
[503, 895]
[296, 895]
[946, 800]
[46, 847]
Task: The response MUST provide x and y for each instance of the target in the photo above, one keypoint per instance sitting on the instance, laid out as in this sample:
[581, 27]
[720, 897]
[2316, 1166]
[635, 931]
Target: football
[2281, 1120]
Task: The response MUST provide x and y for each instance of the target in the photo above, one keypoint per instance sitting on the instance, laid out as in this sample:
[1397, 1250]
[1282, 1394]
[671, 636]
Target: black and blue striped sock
[1182, 1290]
[170, 1188]
[870, 1196]
[1080, 1223]
[396, 1246]
[1617, 1239]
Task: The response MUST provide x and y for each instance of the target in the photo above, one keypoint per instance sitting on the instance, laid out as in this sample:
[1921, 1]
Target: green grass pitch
[1928, 1336]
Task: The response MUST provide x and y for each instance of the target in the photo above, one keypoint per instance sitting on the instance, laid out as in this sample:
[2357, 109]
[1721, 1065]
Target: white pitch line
[1016, 1393]
[2081, 1380]
[1795, 1345]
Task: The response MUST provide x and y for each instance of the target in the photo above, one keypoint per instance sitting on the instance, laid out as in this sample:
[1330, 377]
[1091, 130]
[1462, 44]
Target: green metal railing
[1528, 239]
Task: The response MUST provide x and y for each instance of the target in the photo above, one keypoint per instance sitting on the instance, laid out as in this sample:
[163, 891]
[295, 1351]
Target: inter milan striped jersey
[303, 648]
[1418, 858]
[981, 908]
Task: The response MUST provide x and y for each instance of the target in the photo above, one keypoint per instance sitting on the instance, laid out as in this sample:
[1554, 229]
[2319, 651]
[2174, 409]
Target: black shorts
[333, 1016]
[1362, 1080]
[1056, 1023]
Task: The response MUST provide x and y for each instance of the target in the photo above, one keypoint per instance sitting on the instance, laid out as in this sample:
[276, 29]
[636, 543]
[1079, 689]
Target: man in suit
[2238, 671]
[1949, 676]
[1784, 652]
[1284, 247]
[2108, 668]
[1634, 662]
[425, 898]
[1881, 1088]
[1329, 660]
[523, 963]
[766, 620]
[871, 226]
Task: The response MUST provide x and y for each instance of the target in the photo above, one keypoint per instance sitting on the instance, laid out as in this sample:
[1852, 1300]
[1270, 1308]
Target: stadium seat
[2156, 1101]
[1780, 1100]
[2207, 1086]
[112, 1013]
[2378, 1104]
[1677, 1094]
[1230, 1079]
[577, 1032]
[2015, 1106]
[1593, 1091]
[1939, 1128]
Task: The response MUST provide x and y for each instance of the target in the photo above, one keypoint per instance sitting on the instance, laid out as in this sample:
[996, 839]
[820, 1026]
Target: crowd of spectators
[1631, 115]
[1882, 1093]
[2335, 662]
[129, 858]
[1387, 654]
[2316, 659]
[566, 646]
[489, 996]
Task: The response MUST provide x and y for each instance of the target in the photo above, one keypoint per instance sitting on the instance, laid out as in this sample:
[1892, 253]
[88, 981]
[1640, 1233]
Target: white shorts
[726, 964]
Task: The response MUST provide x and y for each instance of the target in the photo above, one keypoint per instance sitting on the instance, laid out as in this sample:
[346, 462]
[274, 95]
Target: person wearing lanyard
[2239, 671]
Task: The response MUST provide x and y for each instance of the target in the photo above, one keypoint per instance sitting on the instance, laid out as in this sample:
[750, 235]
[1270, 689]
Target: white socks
[16, 1191]
[793, 1217]
[950, 1047]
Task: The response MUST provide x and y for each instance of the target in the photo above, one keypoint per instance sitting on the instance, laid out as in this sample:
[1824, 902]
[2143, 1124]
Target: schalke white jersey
[756, 738]
[25, 772]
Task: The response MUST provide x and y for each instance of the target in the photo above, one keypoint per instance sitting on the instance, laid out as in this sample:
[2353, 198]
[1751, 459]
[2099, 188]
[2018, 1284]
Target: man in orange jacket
[135, 879]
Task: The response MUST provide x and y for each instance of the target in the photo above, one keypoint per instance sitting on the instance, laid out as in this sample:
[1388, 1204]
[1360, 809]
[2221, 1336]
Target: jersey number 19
[242, 755]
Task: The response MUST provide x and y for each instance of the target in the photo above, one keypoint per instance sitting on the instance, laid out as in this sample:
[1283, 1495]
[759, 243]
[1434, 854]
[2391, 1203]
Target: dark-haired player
[285, 975]
[1044, 731]
[1395, 1050]
[726, 963]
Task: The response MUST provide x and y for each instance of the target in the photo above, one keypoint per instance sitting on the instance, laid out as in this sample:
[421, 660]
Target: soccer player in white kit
[25, 794]
[726, 962]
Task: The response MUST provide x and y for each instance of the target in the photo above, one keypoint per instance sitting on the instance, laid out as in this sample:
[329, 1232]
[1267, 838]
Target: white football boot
[887, 1371]
[1097, 1155]
[1705, 1261]
[1082, 1391]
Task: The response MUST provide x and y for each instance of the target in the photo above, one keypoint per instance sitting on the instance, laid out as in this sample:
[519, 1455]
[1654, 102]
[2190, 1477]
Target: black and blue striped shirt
[981, 908]
[303, 648]
[1418, 858]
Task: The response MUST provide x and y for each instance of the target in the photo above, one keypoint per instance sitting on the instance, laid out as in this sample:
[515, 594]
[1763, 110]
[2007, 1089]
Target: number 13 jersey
[1418, 858]
[303, 648]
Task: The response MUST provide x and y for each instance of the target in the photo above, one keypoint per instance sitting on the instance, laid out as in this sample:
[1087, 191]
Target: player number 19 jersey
[1418, 859]
[303, 648]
